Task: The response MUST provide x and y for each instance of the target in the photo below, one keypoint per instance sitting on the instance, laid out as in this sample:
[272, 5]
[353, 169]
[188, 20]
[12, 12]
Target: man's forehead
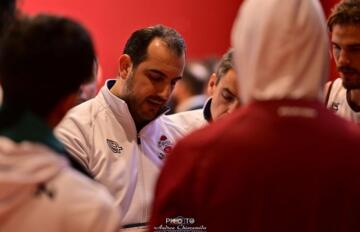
[229, 80]
[349, 33]
[162, 60]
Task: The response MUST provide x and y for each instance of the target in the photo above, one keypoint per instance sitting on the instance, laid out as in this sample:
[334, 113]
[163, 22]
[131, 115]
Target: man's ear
[125, 66]
[211, 84]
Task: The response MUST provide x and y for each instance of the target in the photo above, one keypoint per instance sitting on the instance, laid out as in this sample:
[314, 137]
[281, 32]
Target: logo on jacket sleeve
[165, 146]
[114, 146]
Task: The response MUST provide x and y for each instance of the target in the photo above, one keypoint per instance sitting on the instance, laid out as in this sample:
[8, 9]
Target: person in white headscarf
[282, 162]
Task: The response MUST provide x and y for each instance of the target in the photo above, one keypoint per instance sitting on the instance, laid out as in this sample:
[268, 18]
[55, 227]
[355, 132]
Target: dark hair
[137, 44]
[225, 64]
[345, 12]
[7, 13]
[42, 60]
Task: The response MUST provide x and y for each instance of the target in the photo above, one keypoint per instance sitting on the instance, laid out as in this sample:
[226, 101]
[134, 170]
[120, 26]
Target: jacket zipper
[141, 172]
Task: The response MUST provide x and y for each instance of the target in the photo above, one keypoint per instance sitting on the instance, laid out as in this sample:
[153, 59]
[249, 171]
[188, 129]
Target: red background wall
[205, 24]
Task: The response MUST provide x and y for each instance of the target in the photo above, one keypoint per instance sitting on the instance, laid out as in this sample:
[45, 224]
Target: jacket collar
[116, 104]
[207, 110]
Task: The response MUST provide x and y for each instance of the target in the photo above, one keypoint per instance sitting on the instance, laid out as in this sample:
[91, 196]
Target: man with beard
[110, 133]
[343, 94]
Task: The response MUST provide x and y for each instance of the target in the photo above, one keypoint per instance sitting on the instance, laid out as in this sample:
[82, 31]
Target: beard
[350, 77]
[134, 106]
[139, 106]
[349, 85]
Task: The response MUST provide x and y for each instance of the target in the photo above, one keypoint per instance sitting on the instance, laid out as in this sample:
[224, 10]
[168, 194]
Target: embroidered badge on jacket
[114, 146]
[165, 146]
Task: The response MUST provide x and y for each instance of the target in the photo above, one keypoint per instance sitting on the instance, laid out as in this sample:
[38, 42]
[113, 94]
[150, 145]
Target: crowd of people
[272, 146]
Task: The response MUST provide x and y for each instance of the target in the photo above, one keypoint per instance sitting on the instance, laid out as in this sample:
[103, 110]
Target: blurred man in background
[190, 91]
[43, 62]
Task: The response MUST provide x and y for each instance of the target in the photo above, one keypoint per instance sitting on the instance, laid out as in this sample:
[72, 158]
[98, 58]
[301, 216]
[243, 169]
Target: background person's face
[150, 84]
[345, 41]
[225, 96]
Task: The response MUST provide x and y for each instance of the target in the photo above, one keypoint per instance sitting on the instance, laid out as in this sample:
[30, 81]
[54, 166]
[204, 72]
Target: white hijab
[280, 49]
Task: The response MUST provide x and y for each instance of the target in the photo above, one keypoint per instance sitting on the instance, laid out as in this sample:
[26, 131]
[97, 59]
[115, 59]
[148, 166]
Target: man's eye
[227, 96]
[155, 78]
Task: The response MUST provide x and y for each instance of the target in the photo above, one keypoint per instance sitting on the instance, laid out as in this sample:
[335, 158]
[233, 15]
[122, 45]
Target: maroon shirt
[270, 166]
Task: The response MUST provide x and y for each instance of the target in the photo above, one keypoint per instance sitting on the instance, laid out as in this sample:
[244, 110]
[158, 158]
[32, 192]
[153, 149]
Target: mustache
[347, 69]
[158, 99]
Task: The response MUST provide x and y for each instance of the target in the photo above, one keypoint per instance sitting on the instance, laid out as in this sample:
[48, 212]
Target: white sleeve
[88, 205]
[107, 219]
[74, 134]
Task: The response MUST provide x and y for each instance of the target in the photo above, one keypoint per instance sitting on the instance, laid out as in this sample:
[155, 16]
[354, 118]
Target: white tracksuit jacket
[338, 102]
[189, 120]
[102, 135]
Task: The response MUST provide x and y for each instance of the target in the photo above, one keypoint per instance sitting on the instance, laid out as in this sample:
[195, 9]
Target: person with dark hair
[282, 162]
[110, 133]
[223, 90]
[343, 94]
[43, 62]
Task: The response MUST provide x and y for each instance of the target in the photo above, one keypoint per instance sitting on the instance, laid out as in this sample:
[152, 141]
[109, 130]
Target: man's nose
[344, 58]
[165, 91]
[233, 106]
